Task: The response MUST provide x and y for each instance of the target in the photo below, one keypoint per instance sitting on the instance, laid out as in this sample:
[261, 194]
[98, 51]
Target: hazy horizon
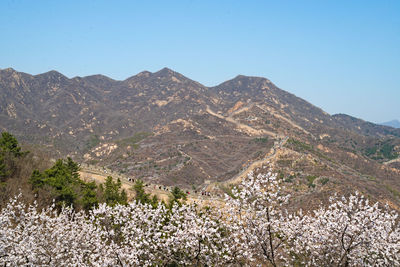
[340, 56]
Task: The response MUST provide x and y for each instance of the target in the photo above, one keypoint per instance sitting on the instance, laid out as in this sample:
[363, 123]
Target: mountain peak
[97, 76]
[165, 72]
[241, 77]
[171, 75]
[144, 73]
[8, 70]
[243, 80]
[52, 74]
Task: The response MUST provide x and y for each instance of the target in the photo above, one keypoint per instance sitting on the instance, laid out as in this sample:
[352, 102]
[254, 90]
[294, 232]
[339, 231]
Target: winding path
[238, 177]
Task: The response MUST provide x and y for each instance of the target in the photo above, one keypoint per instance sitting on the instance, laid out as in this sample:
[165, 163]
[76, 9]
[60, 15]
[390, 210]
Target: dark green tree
[111, 192]
[9, 151]
[62, 178]
[177, 196]
[140, 194]
[37, 179]
[64, 183]
[143, 197]
[89, 199]
[154, 201]
[8, 143]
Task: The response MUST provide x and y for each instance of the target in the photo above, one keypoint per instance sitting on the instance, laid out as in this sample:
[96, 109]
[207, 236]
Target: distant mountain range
[393, 123]
[166, 128]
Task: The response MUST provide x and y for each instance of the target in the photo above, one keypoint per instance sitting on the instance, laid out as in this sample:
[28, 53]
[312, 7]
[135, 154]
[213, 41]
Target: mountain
[168, 129]
[392, 123]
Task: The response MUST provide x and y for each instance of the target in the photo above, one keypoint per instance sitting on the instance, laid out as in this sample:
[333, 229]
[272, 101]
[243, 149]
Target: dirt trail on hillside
[246, 128]
[99, 176]
[284, 118]
[257, 164]
[391, 161]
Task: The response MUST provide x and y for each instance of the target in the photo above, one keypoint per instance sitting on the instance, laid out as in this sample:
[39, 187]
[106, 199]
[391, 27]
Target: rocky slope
[166, 128]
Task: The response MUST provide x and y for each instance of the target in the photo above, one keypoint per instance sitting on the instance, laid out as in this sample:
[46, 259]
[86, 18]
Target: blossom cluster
[349, 231]
[132, 235]
[253, 229]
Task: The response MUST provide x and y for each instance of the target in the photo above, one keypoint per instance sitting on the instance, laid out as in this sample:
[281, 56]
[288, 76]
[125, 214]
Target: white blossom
[253, 229]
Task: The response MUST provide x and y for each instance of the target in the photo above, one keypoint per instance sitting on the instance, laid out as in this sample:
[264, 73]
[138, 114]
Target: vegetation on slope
[22, 172]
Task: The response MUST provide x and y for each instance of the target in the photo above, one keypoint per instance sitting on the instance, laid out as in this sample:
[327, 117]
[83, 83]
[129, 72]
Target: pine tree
[140, 194]
[112, 195]
[89, 199]
[8, 143]
[177, 196]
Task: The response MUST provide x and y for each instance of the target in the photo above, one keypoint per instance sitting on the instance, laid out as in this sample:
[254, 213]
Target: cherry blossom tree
[255, 209]
[133, 235]
[47, 238]
[253, 228]
[349, 232]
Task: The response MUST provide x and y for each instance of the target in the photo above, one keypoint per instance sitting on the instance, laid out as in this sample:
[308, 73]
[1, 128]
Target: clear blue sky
[343, 56]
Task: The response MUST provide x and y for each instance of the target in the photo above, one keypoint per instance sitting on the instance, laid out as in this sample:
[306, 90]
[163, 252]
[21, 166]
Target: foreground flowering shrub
[140, 235]
[29, 237]
[252, 229]
[256, 216]
[132, 235]
[349, 231]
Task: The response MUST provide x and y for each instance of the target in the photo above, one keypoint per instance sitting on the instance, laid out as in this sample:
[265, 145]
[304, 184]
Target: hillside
[168, 129]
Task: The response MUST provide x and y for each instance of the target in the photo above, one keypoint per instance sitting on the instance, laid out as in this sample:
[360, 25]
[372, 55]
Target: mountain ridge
[229, 87]
[165, 128]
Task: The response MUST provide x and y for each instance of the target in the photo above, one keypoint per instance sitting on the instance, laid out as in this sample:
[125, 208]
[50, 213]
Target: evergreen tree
[154, 201]
[36, 179]
[143, 197]
[9, 150]
[89, 199]
[177, 196]
[8, 143]
[140, 194]
[112, 195]
[65, 185]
